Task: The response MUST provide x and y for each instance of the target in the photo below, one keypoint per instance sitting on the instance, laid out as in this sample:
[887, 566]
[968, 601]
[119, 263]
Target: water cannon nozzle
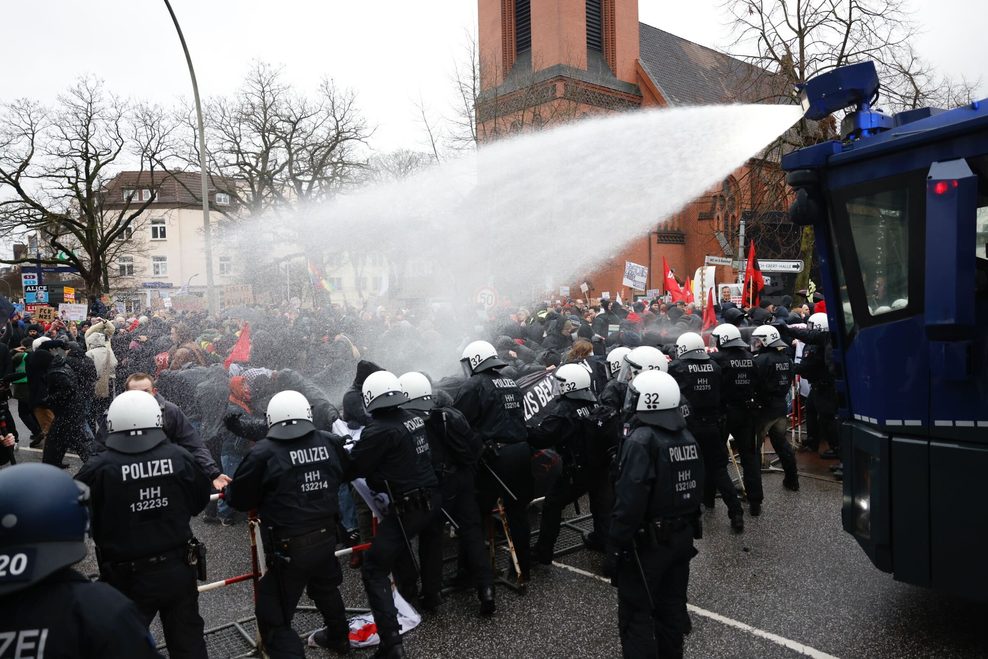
[848, 86]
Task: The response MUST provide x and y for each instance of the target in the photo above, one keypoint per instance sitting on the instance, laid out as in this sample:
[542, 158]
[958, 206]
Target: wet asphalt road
[793, 576]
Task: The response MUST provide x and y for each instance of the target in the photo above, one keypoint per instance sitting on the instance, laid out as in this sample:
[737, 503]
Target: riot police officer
[144, 492]
[614, 391]
[393, 455]
[565, 427]
[455, 449]
[655, 519]
[633, 362]
[292, 477]
[492, 404]
[47, 608]
[738, 404]
[699, 379]
[775, 371]
[821, 405]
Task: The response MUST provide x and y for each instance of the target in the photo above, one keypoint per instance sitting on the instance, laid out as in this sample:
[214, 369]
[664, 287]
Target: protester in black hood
[354, 412]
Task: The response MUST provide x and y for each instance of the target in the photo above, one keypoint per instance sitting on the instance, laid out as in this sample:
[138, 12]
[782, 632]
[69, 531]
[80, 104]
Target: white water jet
[546, 206]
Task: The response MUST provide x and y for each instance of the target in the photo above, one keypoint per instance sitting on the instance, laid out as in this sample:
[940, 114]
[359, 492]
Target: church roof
[687, 73]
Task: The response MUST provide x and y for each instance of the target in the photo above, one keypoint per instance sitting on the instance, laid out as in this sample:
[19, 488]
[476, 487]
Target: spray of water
[545, 208]
[527, 214]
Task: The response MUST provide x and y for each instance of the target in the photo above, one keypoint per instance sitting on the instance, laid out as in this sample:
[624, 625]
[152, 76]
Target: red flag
[689, 291]
[241, 349]
[709, 317]
[754, 283]
[671, 285]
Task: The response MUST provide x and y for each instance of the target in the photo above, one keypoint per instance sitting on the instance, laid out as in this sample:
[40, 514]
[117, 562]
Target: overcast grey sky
[391, 52]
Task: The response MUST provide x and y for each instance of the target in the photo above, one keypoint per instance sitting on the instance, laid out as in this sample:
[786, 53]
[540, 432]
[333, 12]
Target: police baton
[450, 518]
[401, 527]
[641, 573]
[498, 479]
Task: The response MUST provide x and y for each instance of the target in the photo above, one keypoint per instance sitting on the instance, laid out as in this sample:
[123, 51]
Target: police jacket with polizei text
[700, 383]
[564, 427]
[775, 371]
[394, 450]
[737, 376]
[142, 502]
[492, 404]
[292, 483]
[66, 616]
[660, 476]
[452, 442]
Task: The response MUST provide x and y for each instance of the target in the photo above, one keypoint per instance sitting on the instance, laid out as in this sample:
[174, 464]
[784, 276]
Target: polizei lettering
[149, 469]
[742, 363]
[24, 643]
[306, 455]
[414, 424]
[682, 453]
[701, 368]
[504, 383]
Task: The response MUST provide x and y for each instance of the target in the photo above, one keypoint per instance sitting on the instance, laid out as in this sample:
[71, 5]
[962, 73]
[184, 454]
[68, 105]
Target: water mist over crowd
[527, 214]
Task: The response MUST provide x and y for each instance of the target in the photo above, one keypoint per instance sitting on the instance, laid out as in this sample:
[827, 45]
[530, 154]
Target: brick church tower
[547, 61]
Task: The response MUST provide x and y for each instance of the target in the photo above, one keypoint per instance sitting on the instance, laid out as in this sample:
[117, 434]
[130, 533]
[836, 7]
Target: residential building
[162, 253]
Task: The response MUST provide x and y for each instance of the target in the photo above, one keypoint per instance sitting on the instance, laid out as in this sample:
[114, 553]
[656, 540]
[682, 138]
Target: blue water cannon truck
[899, 209]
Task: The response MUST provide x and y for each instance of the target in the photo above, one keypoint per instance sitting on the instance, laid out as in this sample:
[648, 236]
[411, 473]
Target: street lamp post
[207, 234]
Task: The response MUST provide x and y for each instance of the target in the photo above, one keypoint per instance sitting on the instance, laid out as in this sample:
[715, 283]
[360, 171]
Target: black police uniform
[821, 405]
[565, 427]
[775, 375]
[700, 384]
[144, 490]
[393, 455]
[455, 449]
[66, 616]
[293, 483]
[492, 404]
[738, 404]
[654, 522]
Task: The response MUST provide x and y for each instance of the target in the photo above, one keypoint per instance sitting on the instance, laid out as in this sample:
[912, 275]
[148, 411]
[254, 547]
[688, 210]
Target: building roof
[687, 73]
[172, 188]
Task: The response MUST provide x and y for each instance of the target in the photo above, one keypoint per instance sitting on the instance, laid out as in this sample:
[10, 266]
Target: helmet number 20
[13, 566]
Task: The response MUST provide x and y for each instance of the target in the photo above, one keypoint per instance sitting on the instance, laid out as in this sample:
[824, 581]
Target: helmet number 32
[651, 400]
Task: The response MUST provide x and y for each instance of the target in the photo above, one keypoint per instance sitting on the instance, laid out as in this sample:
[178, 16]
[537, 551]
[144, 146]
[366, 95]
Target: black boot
[737, 521]
[486, 596]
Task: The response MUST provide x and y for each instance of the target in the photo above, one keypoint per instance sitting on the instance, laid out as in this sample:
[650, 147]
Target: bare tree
[55, 164]
[790, 42]
[271, 148]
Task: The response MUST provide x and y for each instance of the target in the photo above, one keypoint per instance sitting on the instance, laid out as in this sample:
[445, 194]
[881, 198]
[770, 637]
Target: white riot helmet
[690, 345]
[643, 358]
[133, 422]
[818, 321]
[418, 390]
[655, 395]
[766, 336]
[479, 356]
[615, 359]
[574, 382]
[289, 416]
[728, 336]
[382, 390]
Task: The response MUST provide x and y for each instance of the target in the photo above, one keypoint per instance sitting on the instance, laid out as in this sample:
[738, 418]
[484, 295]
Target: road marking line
[730, 622]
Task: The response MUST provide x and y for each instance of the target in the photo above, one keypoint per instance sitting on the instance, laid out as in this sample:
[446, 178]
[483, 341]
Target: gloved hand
[490, 451]
[232, 423]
